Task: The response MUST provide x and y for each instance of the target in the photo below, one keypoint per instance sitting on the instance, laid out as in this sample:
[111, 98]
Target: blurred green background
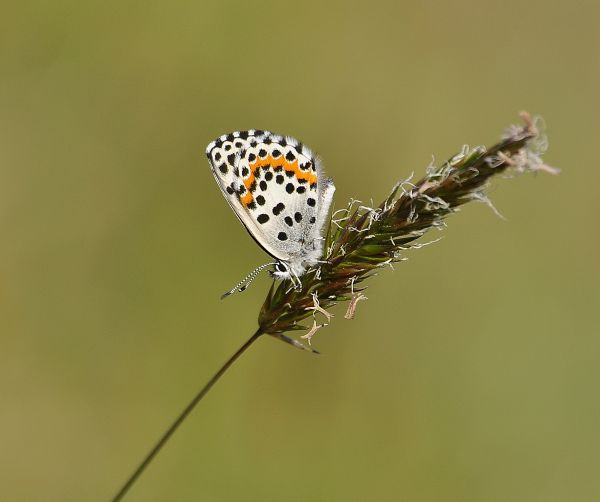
[471, 374]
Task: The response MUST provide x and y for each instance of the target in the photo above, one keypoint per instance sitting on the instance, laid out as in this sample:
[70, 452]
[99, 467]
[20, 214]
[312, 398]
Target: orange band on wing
[309, 176]
[246, 199]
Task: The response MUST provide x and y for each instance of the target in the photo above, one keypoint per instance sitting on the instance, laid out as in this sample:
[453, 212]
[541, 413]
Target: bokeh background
[471, 374]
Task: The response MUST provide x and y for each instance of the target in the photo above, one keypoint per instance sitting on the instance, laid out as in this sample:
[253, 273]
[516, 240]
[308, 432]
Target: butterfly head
[281, 271]
[288, 270]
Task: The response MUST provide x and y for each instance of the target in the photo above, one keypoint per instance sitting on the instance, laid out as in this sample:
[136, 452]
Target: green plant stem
[182, 416]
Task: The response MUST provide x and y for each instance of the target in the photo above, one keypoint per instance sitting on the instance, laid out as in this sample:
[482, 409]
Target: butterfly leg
[296, 282]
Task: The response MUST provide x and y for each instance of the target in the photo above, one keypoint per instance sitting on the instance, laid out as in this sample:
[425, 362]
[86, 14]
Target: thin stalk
[182, 416]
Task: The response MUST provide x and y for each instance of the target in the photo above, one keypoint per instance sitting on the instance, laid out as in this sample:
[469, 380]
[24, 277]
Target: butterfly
[276, 187]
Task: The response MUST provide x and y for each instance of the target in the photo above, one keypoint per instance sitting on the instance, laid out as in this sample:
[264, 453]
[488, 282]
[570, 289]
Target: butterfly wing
[276, 187]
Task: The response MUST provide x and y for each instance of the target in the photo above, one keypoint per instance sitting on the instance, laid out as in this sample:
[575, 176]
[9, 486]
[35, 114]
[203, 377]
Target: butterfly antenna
[246, 281]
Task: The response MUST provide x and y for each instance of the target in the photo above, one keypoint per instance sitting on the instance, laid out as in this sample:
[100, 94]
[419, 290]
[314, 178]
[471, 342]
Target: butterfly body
[276, 187]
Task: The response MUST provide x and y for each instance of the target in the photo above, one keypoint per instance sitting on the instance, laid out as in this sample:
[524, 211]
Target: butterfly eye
[280, 267]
